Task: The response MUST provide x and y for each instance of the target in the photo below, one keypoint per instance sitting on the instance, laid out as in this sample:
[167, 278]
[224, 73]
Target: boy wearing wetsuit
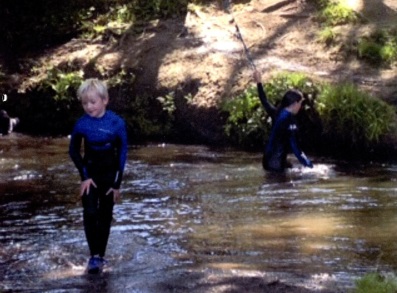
[101, 168]
[283, 133]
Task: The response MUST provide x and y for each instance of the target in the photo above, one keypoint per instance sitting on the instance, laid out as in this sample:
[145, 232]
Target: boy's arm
[74, 153]
[295, 149]
[122, 148]
[270, 109]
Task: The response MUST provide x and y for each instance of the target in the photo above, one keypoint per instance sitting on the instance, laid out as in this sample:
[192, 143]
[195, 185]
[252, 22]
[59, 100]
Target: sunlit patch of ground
[375, 10]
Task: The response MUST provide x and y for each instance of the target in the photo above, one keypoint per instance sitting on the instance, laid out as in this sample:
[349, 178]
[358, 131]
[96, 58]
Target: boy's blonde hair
[93, 84]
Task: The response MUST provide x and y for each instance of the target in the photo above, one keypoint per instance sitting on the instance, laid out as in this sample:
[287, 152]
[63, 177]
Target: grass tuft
[376, 283]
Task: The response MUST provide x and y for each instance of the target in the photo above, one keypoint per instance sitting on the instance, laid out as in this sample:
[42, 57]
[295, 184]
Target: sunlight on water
[27, 175]
[318, 171]
[199, 208]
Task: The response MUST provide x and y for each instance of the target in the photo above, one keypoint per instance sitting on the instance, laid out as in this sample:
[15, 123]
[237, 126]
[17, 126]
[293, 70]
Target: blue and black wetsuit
[105, 153]
[282, 138]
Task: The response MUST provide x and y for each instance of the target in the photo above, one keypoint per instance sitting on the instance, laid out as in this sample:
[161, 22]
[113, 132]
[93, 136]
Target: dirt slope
[201, 55]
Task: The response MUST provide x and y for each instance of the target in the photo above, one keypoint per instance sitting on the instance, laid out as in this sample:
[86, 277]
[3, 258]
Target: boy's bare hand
[116, 194]
[257, 76]
[85, 186]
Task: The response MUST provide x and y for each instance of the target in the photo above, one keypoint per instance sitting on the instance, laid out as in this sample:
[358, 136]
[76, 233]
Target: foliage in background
[334, 12]
[147, 117]
[52, 107]
[64, 84]
[140, 119]
[247, 123]
[349, 118]
[380, 47]
[354, 118]
[160, 8]
[128, 14]
[374, 282]
[327, 35]
[124, 15]
[26, 25]
[30, 26]
[168, 104]
[115, 20]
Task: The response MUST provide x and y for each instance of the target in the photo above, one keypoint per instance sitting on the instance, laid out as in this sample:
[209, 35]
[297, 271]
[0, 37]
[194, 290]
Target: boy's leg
[105, 210]
[90, 216]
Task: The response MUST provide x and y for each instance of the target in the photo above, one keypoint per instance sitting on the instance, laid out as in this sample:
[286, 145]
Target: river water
[194, 209]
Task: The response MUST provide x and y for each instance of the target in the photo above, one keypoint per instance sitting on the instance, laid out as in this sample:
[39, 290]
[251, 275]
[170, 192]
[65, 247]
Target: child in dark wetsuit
[101, 168]
[283, 133]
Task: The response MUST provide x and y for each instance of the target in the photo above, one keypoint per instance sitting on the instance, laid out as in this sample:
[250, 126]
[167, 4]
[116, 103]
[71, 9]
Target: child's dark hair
[290, 97]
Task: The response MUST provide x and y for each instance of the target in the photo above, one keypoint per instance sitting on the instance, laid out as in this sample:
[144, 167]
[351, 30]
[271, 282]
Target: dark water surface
[193, 208]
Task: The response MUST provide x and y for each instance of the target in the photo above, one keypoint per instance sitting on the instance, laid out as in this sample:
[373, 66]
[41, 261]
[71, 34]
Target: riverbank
[196, 62]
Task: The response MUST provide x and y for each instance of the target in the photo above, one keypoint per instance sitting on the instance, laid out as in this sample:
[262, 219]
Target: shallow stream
[198, 209]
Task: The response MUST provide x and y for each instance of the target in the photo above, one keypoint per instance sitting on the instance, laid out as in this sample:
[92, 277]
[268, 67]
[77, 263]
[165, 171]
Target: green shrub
[370, 50]
[64, 84]
[337, 13]
[327, 35]
[168, 103]
[34, 25]
[388, 53]
[247, 124]
[150, 118]
[116, 19]
[52, 107]
[376, 283]
[377, 53]
[128, 15]
[288, 80]
[378, 48]
[352, 117]
[346, 116]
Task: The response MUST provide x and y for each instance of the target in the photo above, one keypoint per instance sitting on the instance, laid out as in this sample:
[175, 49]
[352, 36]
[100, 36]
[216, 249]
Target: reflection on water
[193, 207]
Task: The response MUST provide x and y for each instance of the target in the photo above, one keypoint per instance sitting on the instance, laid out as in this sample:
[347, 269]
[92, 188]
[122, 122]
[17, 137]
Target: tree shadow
[378, 11]
[145, 55]
[142, 54]
[363, 73]
[141, 51]
[28, 28]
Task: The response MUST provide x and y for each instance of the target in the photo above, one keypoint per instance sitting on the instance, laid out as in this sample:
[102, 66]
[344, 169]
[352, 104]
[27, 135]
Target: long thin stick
[239, 36]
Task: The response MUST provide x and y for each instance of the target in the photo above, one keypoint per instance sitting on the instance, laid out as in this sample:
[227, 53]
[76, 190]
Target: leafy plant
[122, 77]
[52, 107]
[374, 282]
[291, 80]
[352, 117]
[167, 8]
[378, 48]
[247, 123]
[116, 19]
[327, 35]
[64, 84]
[151, 117]
[124, 15]
[33, 26]
[168, 103]
[369, 50]
[337, 13]
[343, 113]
